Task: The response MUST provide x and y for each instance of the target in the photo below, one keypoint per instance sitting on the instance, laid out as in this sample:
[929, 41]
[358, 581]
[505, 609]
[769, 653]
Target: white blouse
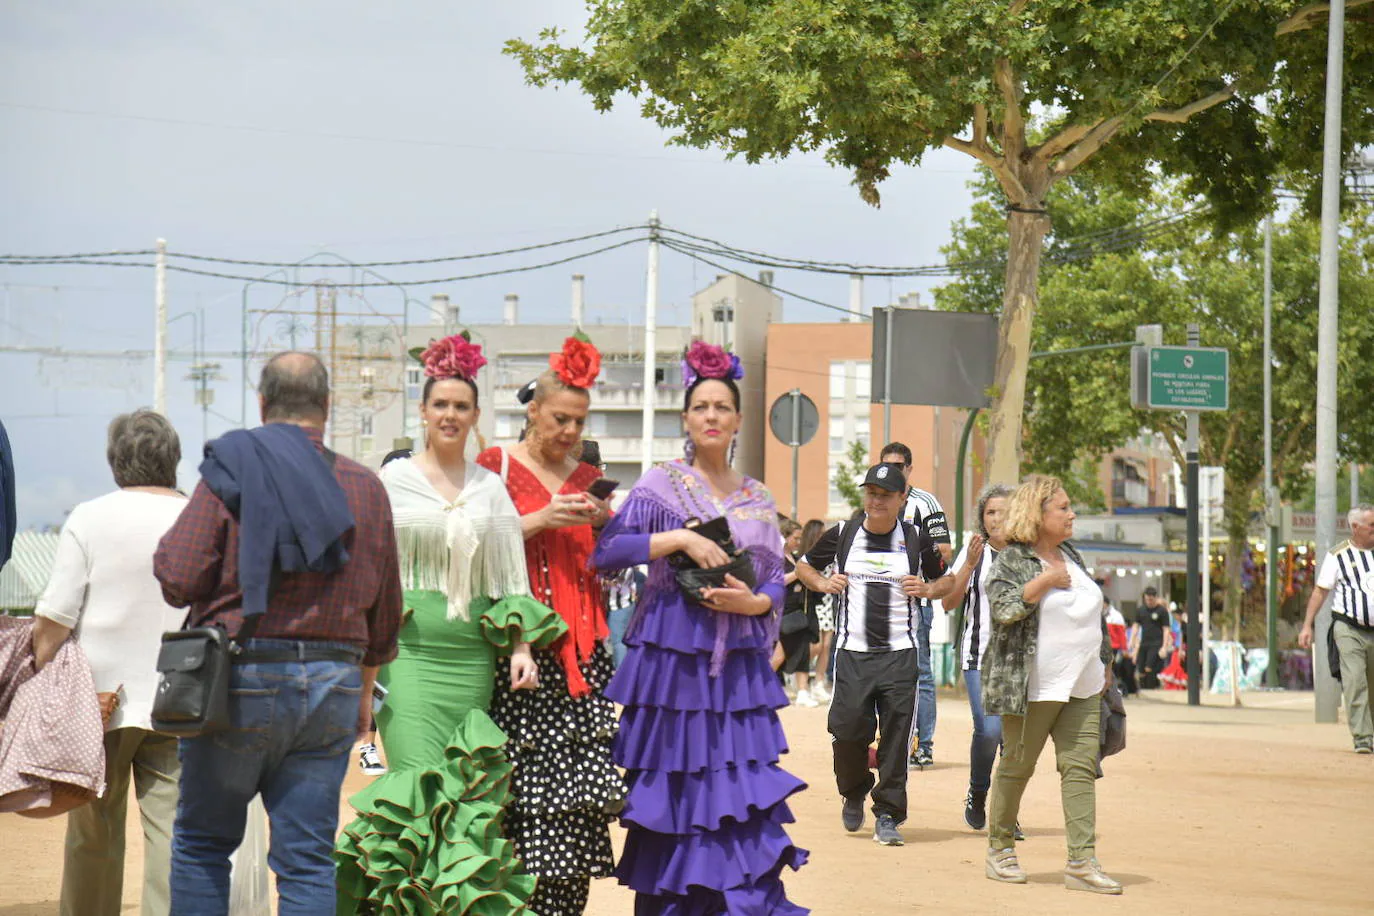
[102, 587]
[1067, 652]
[470, 547]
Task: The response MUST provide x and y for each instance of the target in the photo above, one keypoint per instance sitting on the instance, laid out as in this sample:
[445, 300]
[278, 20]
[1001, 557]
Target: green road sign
[1188, 378]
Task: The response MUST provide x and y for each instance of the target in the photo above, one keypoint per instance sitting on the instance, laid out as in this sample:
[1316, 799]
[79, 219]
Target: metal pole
[1205, 506]
[887, 373]
[796, 450]
[1354, 484]
[1193, 636]
[243, 357]
[1271, 503]
[160, 333]
[204, 372]
[646, 460]
[959, 480]
[1328, 307]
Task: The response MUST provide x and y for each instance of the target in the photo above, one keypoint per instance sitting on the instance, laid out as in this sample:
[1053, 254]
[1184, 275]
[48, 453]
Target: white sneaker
[819, 693]
[804, 698]
[370, 761]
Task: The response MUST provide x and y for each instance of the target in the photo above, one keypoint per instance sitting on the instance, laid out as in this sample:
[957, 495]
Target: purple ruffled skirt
[707, 801]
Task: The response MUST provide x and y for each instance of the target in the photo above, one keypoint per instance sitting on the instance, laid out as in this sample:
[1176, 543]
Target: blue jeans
[987, 735]
[925, 684]
[619, 621]
[292, 727]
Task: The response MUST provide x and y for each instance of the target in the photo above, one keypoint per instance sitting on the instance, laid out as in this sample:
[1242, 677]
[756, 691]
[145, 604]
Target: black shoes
[852, 815]
[919, 760]
[976, 809]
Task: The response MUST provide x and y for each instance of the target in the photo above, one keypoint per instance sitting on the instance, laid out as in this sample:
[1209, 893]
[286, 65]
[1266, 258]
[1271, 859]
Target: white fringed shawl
[465, 549]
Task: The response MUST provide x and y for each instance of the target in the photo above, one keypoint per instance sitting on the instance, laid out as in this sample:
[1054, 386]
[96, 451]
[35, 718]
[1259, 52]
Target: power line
[1130, 233]
[670, 244]
[698, 247]
[274, 281]
[414, 261]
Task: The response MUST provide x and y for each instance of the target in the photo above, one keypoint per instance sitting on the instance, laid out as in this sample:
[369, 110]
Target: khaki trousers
[93, 870]
[1074, 728]
[1356, 648]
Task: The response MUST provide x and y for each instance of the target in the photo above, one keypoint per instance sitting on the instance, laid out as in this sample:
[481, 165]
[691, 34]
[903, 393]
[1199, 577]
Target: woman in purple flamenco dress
[699, 736]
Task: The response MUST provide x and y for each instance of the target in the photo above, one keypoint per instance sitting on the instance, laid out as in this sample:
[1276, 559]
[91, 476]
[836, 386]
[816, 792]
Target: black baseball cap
[888, 476]
[1151, 592]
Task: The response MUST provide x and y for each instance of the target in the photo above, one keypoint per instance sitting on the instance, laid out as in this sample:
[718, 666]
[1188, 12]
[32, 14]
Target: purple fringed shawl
[663, 500]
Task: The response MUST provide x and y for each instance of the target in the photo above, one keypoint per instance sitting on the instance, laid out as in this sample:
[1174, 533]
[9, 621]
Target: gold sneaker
[1087, 875]
[1002, 866]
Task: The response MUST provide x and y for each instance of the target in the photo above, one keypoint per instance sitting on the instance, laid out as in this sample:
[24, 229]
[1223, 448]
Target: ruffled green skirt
[428, 835]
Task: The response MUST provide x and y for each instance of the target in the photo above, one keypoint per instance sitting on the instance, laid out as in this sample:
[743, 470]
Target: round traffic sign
[794, 419]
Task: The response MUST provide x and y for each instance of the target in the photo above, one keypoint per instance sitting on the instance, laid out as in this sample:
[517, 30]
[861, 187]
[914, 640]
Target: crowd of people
[536, 666]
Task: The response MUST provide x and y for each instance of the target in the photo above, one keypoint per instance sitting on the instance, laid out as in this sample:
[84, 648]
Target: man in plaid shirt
[300, 691]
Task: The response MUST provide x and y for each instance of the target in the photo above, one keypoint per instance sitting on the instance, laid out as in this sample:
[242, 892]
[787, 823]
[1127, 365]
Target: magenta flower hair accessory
[704, 360]
[452, 357]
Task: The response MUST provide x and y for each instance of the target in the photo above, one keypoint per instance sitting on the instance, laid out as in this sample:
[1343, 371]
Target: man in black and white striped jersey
[924, 511]
[883, 565]
[1347, 574]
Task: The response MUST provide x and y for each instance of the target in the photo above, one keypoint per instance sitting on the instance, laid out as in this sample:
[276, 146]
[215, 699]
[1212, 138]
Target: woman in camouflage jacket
[1044, 671]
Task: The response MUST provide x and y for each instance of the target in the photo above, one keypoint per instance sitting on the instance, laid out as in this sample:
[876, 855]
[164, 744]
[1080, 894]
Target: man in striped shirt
[924, 511]
[877, 576]
[1347, 574]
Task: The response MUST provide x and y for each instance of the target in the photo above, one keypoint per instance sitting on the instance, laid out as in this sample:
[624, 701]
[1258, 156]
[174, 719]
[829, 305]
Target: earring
[689, 450]
[730, 459]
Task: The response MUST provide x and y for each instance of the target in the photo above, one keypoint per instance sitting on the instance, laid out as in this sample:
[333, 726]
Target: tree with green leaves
[1079, 405]
[1224, 95]
[850, 472]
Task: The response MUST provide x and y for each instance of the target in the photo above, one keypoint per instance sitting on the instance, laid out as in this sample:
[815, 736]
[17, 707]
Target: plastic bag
[249, 888]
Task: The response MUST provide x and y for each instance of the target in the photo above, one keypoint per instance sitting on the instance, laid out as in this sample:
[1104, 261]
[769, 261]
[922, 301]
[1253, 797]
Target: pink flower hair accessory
[704, 360]
[451, 357]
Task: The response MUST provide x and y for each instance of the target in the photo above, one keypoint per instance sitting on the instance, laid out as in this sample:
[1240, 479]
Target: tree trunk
[1026, 235]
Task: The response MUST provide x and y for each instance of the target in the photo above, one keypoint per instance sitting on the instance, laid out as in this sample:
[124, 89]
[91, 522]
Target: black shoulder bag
[193, 684]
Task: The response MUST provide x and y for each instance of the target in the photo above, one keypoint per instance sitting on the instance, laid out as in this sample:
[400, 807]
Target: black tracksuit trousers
[873, 689]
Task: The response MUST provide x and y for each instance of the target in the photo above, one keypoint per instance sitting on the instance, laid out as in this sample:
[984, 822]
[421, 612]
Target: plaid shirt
[198, 565]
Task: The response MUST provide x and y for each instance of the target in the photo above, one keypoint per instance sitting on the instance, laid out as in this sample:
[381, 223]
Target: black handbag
[693, 579]
[793, 622]
[193, 685]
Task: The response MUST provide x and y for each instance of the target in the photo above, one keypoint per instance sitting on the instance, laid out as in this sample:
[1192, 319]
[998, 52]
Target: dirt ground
[1209, 810]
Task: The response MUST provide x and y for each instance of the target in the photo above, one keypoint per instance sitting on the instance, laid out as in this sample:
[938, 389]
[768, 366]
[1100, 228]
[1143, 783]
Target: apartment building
[733, 311]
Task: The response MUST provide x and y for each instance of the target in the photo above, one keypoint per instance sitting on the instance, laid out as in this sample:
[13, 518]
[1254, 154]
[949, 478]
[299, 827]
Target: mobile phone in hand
[603, 488]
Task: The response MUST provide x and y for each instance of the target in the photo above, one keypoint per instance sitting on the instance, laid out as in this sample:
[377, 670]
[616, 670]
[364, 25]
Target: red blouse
[559, 564]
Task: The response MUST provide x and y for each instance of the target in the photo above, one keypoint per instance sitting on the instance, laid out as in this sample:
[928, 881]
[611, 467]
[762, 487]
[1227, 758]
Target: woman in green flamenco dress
[428, 835]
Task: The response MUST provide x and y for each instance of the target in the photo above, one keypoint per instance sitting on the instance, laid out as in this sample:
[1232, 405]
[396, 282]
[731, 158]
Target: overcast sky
[377, 131]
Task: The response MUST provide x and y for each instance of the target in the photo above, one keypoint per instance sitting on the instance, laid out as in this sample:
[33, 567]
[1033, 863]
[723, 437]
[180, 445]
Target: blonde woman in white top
[103, 592]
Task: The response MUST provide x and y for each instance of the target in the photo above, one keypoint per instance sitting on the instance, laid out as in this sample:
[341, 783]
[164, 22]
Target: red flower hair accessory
[578, 365]
[452, 357]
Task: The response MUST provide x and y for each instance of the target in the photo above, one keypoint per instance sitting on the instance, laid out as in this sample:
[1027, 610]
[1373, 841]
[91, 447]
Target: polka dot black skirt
[566, 789]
